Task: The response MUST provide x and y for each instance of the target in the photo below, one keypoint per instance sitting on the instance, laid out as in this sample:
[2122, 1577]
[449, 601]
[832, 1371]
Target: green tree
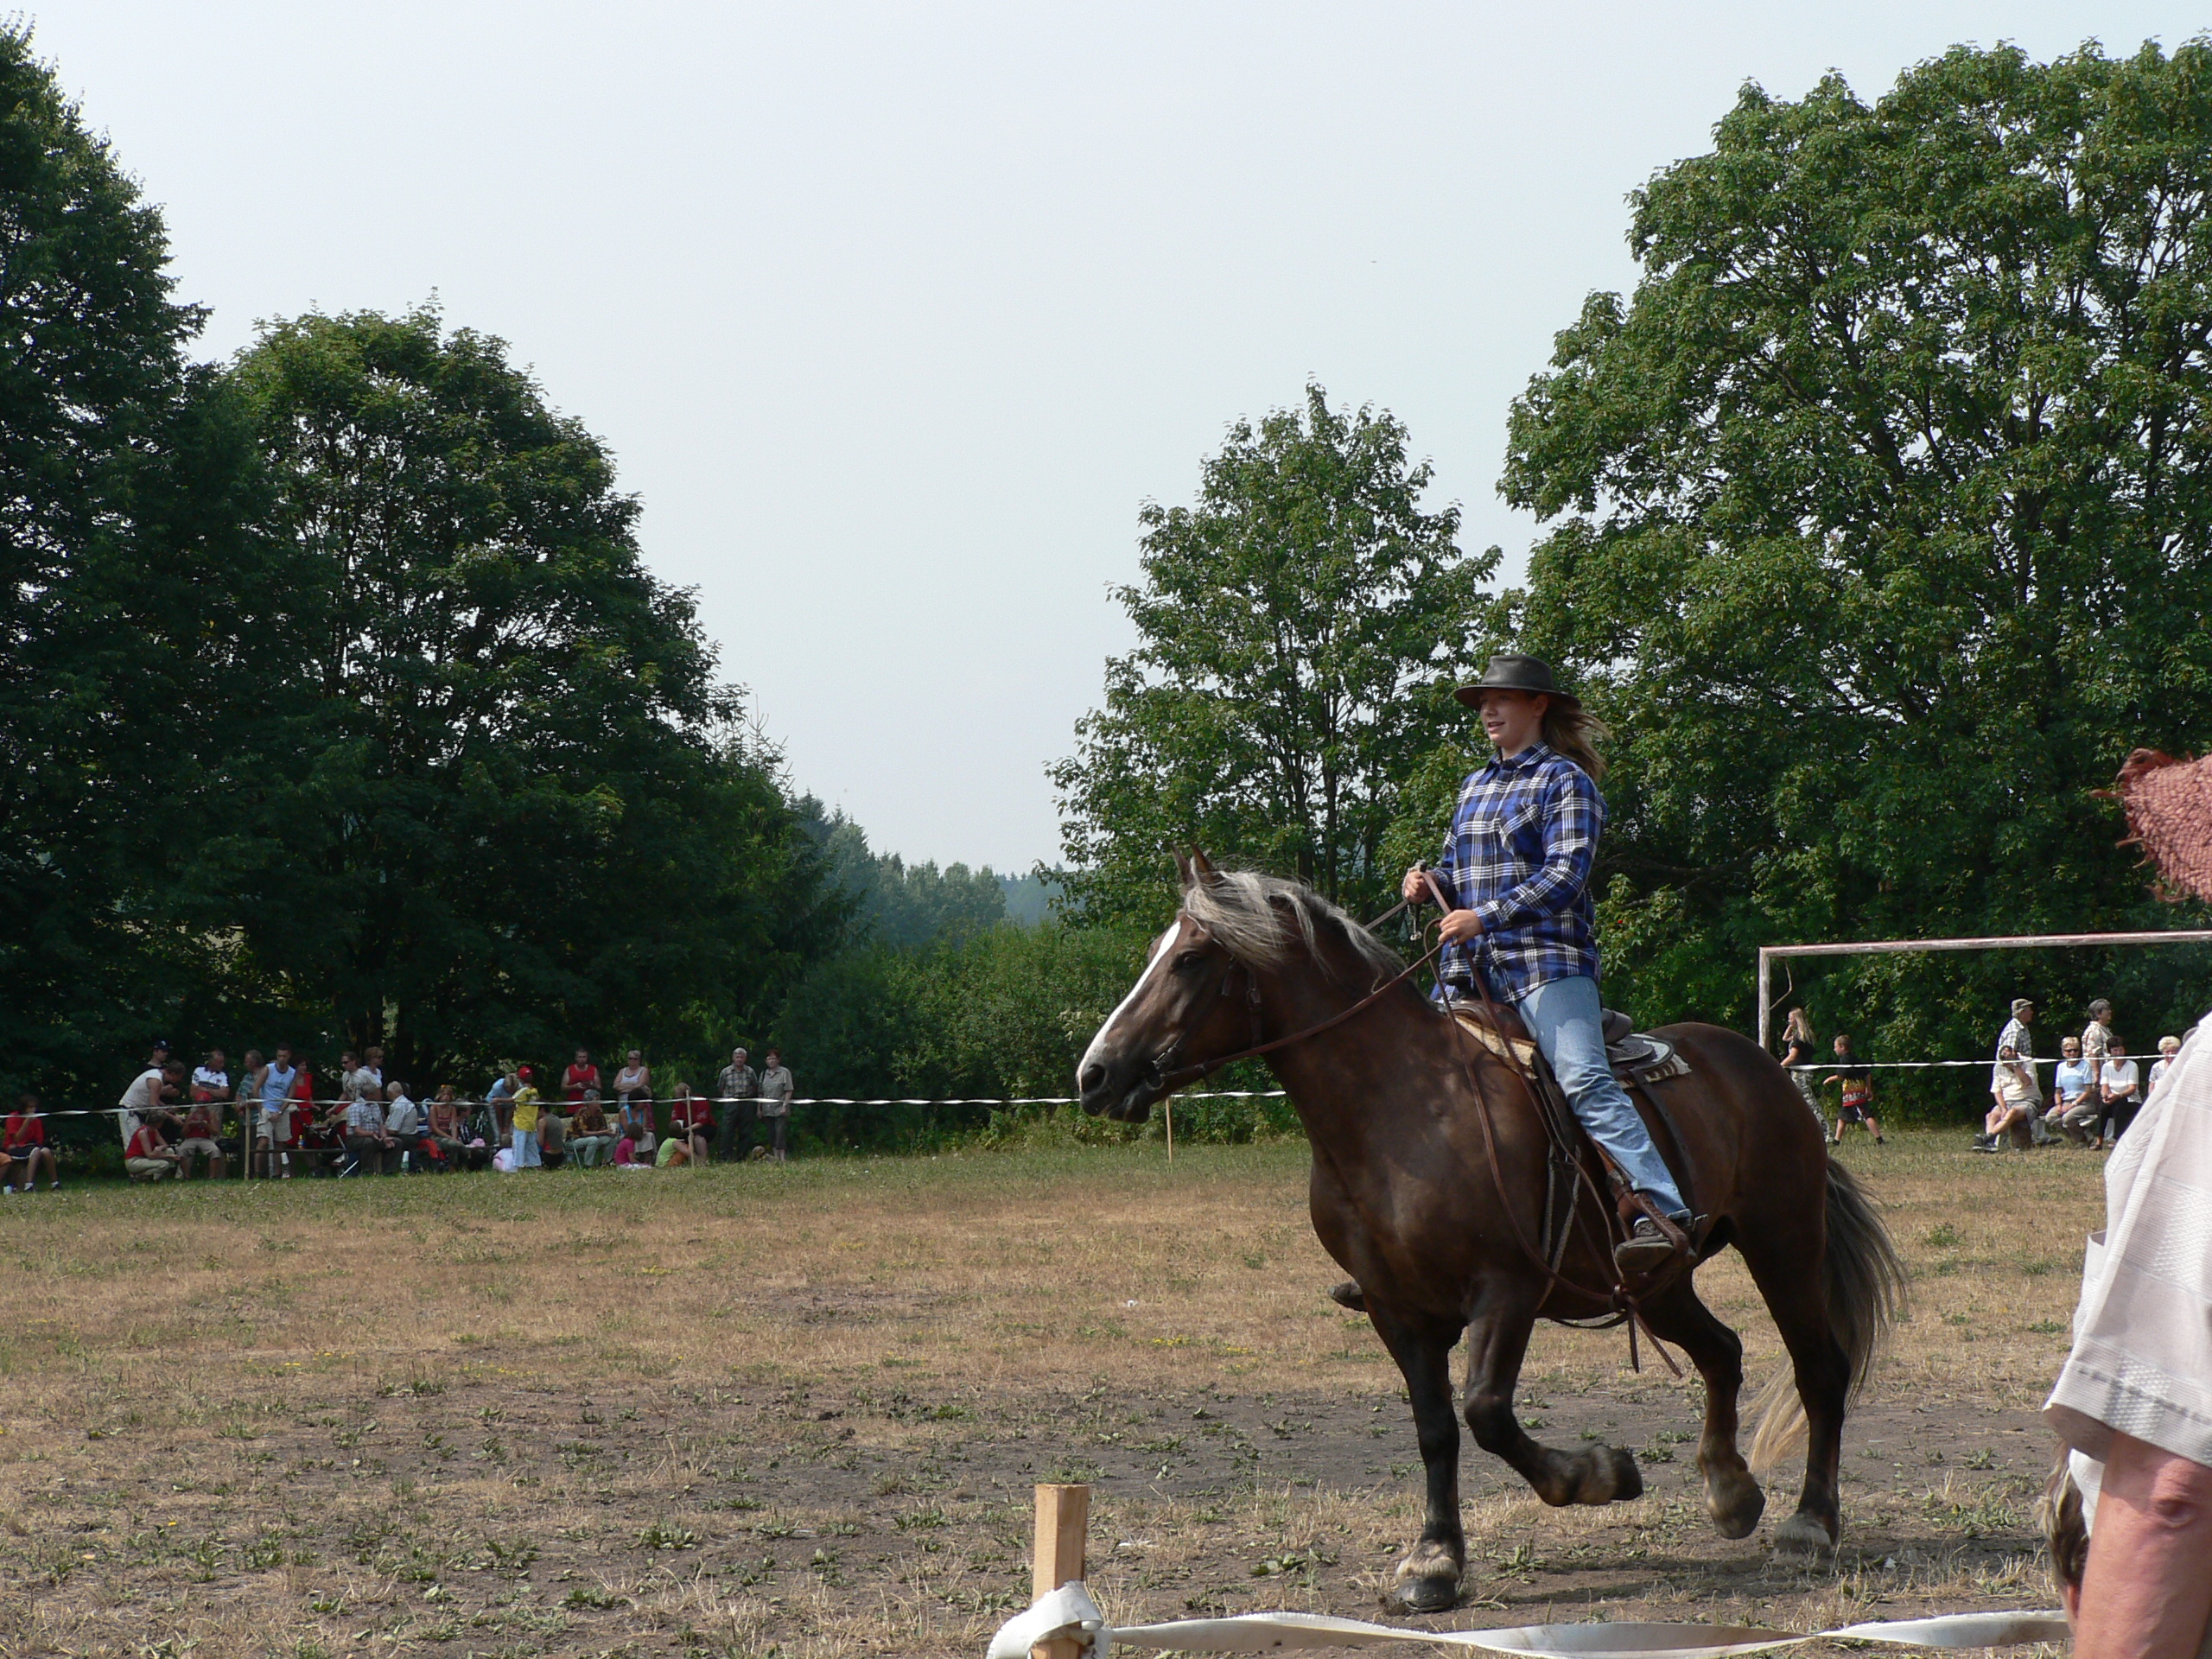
[1298, 628]
[909, 906]
[126, 477]
[522, 811]
[1879, 520]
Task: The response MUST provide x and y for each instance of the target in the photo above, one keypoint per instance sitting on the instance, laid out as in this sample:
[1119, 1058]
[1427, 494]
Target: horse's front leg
[1497, 1339]
[1427, 1579]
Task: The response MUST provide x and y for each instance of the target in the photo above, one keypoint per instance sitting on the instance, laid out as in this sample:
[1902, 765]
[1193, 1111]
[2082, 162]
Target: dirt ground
[798, 1411]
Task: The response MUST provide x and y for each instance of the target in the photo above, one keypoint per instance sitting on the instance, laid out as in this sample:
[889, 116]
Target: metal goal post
[1771, 954]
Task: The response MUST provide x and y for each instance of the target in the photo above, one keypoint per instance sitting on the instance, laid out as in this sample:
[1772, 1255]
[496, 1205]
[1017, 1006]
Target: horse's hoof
[1610, 1477]
[1348, 1294]
[1801, 1534]
[1735, 1502]
[1428, 1581]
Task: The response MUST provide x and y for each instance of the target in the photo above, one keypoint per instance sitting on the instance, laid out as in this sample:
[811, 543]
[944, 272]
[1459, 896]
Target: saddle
[1637, 1056]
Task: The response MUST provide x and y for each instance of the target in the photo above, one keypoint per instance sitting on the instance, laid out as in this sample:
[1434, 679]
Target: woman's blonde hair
[1798, 1026]
[1572, 730]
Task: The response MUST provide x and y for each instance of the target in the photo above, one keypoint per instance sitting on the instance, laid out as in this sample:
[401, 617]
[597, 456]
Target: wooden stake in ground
[1168, 1107]
[1063, 1521]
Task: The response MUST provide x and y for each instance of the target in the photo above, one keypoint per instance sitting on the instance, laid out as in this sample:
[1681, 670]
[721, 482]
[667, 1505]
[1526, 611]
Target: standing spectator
[25, 1141]
[524, 1118]
[142, 1099]
[403, 1121]
[320, 1133]
[2075, 1101]
[2168, 1047]
[500, 1103]
[690, 1120]
[365, 1080]
[740, 1111]
[211, 1078]
[588, 1132]
[2122, 1088]
[776, 1091]
[203, 1126]
[1856, 1079]
[349, 1091]
[248, 1097]
[149, 1156]
[1797, 1051]
[634, 1082]
[2131, 1401]
[581, 1078]
[278, 1120]
[2096, 1036]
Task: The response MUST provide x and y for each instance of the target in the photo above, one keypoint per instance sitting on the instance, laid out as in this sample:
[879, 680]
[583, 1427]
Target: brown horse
[1430, 1175]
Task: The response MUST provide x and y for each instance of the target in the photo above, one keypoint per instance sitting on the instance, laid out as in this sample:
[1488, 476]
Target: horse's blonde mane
[1240, 909]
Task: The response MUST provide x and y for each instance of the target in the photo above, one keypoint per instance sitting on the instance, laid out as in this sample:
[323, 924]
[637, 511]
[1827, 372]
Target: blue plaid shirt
[1519, 856]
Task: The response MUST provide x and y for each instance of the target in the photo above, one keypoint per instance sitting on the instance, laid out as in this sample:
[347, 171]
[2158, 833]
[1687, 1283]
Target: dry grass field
[799, 1410]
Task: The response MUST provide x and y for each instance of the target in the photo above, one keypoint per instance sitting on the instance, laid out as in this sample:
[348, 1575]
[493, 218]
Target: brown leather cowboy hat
[1516, 671]
[2168, 805]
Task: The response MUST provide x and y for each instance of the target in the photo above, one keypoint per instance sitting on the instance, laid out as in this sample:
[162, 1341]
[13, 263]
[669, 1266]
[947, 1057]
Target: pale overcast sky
[893, 314]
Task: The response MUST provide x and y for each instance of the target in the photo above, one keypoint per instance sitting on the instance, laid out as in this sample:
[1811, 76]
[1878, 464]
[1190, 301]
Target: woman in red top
[581, 1075]
[318, 1140]
[25, 1141]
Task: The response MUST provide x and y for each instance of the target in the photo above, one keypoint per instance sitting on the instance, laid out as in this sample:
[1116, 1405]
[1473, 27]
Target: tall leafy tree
[520, 811]
[1881, 523]
[126, 478]
[1297, 627]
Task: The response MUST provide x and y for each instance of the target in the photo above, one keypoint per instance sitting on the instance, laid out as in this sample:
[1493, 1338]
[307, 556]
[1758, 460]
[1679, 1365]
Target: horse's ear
[1183, 871]
[1202, 868]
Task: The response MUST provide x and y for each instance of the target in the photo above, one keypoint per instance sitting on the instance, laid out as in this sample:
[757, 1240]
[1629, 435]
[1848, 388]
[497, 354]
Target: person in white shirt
[365, 1137]
[2134, 1399]
[403, 1119]
[211, 1078]
[2168, 1047]
[143, 1099]
[2121, 1087]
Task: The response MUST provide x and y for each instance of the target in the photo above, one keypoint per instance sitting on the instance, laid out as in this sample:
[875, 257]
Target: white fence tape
[1070, 1611]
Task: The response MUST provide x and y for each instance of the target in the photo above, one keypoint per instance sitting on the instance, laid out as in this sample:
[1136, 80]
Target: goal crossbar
[1771, 954]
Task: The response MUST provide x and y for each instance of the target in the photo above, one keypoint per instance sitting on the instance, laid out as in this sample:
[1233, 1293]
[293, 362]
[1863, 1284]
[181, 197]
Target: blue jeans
[525, 1150]
[1564, 1017]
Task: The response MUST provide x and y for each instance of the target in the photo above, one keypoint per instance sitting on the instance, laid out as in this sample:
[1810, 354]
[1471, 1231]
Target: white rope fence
[1069, 1614]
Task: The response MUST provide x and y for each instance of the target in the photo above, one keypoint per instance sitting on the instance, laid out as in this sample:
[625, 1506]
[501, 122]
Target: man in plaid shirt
[1514, 878]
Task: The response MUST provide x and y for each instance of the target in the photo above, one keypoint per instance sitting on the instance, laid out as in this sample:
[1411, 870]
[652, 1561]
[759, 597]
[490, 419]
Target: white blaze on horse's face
[1159, 955]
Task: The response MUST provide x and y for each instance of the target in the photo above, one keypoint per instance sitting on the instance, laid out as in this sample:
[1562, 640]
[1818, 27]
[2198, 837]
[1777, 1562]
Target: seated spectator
[2168, 1047]
[403, 1121]
[24, 1140]
[2122, 1088]
[2016, 1098]
[150, 1156]
[365, 1141]
[626, 1156]
[690, 1120]
[202, 1127]
[2073, 1089]
[588, 1132]
[638, 1124]
[449, 1132]
[211, 1078]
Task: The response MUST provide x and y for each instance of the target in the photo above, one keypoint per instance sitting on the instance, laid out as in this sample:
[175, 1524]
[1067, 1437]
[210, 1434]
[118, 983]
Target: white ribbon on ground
[1070, 1611]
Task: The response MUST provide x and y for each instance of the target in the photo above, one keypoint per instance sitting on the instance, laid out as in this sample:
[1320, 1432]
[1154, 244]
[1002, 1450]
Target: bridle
[1169, 1078]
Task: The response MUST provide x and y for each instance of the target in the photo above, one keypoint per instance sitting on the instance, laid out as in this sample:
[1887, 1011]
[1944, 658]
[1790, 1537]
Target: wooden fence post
[1063, 1522]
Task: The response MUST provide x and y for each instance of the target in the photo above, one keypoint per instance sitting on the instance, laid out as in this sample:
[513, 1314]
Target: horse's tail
[1864, 1281]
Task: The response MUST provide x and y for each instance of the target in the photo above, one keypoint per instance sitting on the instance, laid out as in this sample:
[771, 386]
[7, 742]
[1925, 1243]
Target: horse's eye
[1189, 960]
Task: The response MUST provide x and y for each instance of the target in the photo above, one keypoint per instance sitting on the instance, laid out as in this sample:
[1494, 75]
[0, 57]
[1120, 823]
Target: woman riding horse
[1516, 879]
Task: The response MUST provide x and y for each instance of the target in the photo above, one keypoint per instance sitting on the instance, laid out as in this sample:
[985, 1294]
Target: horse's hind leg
[1428, 1579]
[1732, 1496]
[1497, 1340]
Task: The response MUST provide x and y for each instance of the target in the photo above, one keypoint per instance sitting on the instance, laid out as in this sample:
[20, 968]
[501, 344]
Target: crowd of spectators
[357, 1119]
[2095, 1091]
